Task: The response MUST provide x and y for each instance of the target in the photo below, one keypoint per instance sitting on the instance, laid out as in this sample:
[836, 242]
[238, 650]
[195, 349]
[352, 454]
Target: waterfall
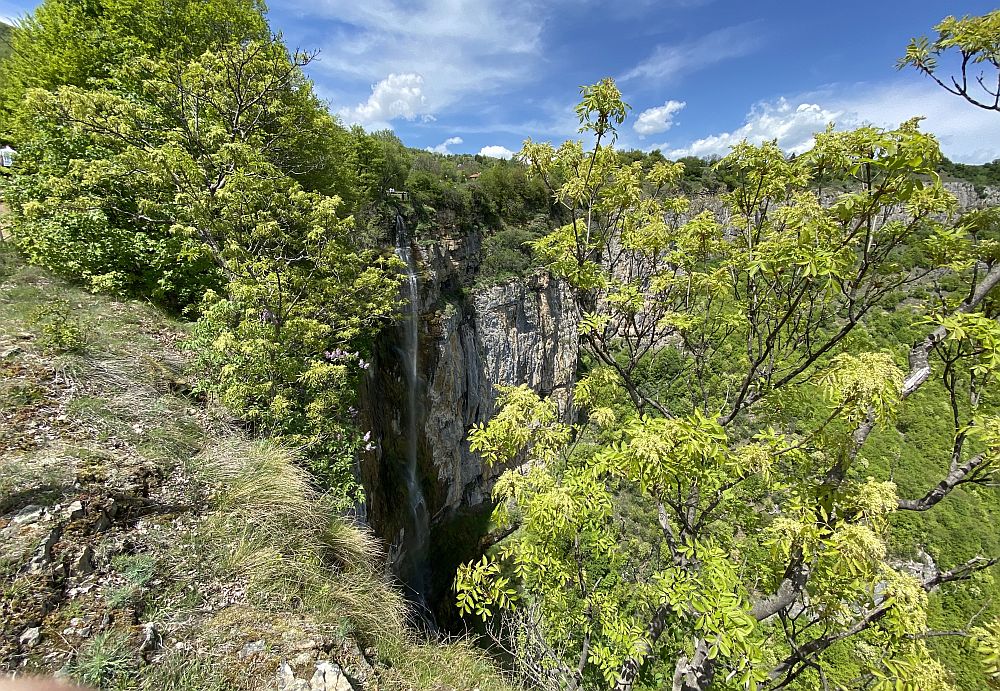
[415, 539]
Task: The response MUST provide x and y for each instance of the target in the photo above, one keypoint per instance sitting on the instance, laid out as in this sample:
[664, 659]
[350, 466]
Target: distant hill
[6, 33]
[981, 176]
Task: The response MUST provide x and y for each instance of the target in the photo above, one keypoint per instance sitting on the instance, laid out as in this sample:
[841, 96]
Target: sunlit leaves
[481, 587]
[976, 40]
[875, 500]
[913, 669]
[987, 642]
[859, 384]
[657, 452]
[763, 173]
[565, 253]
[694, 315]
[601, 107]
[524, 424]
[977, 37]
[981, 333]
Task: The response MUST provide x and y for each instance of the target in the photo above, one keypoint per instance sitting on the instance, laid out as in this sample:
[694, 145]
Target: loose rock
[254, 648]
[31, 637]
[286, 680]
[84, 564]
[75, 511]
[43, 555]
[31, 513]
[329, 677]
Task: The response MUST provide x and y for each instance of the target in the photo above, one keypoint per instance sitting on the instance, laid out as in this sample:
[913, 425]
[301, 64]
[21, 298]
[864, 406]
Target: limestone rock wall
[472, 338]
[518, 332]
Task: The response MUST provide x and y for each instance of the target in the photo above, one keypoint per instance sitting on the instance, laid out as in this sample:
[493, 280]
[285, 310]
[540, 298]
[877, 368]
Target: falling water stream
[415, 540]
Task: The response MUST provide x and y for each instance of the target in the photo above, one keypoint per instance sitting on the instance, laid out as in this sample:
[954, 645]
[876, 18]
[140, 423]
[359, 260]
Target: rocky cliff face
[518, 332]
[472, 339]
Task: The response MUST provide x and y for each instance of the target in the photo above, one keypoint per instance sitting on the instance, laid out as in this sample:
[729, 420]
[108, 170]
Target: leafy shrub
[61, 331]
[507, 253]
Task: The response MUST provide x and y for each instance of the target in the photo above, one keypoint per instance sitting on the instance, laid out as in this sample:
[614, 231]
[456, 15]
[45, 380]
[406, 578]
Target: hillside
[5, 35]
[149, 544]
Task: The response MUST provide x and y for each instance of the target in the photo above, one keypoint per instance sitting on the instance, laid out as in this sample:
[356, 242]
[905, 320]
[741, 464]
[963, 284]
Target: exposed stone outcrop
[517, 332]
[969, 197]
[326, 677]
[472, 338]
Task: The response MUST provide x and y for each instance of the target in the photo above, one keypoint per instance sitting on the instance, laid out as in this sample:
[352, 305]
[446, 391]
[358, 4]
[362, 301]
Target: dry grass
[272, 528]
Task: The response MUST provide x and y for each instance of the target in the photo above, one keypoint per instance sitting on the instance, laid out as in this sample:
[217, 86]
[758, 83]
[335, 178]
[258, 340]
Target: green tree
[210, 181]
[690, 536]
[976, 42]
[73, 42]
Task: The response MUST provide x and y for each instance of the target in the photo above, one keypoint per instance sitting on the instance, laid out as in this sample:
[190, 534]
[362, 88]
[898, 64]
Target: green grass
[107, 661]
[182, 671]
[136, 570]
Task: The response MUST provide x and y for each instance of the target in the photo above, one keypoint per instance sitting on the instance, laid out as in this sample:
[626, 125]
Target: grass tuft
[275, 530]
[108, 660]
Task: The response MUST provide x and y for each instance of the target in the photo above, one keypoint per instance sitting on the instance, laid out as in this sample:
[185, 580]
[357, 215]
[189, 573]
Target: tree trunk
[695, 674]
[689, 675]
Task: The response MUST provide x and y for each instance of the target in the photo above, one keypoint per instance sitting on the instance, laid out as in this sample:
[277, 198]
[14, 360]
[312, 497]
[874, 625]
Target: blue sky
[481, 75]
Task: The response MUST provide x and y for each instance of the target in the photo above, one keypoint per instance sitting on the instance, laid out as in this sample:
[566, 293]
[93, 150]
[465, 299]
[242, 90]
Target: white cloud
[396, 96]
[966, 133]
[669, 62]
[792, 125]
[442, 148]
[462, 48]
[495, 151]
[659, 119]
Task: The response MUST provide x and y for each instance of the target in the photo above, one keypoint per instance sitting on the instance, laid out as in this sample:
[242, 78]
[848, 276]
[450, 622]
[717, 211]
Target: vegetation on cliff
[154, 544]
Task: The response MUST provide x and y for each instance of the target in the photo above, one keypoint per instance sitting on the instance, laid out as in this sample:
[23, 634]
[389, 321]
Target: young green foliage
[675, 536]
[204, 173]
[976, 40]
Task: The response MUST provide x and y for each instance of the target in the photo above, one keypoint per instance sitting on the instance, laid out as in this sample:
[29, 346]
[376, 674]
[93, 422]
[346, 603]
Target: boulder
[75, 511]
[32, 513]
[84, 564]
[329, 677]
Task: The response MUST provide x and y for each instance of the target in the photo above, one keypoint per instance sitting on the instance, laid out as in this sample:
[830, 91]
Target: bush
[506, 253]
[108, 660]
[61, 331]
